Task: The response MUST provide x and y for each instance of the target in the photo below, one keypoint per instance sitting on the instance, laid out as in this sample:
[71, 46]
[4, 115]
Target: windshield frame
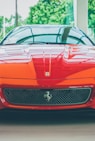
[60, 30]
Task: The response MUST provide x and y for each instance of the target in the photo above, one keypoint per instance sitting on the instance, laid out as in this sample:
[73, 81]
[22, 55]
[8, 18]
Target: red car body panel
[47, 67]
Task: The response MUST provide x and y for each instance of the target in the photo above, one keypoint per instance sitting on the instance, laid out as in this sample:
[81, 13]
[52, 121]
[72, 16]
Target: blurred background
[14, 13]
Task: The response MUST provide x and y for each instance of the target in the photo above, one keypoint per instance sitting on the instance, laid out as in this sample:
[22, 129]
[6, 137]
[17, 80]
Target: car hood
[47, 61]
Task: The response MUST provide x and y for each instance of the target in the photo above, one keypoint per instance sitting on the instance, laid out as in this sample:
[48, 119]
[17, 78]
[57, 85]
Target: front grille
[70, 96]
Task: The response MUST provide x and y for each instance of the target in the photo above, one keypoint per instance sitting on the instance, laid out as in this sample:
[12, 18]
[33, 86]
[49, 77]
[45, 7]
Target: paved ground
[47, 126]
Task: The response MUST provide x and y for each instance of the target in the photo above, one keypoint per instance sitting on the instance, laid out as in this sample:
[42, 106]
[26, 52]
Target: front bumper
[48, 102]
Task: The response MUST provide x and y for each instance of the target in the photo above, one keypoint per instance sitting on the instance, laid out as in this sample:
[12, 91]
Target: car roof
[56, 26]
[48, 29]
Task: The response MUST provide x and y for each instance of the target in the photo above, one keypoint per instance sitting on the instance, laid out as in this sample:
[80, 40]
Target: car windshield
[46, 34]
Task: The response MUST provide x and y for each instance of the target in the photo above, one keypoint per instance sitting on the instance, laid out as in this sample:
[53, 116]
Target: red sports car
[47, 67]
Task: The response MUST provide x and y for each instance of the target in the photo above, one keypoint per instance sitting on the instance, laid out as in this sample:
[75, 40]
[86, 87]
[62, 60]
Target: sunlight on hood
[24, 53]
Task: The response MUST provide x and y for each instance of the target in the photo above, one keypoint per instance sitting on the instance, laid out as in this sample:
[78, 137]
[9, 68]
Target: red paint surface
[50, 67]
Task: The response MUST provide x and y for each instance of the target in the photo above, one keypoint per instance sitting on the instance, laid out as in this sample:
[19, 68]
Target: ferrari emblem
[48, 96]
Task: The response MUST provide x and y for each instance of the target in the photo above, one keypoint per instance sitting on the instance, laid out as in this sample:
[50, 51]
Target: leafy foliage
[9, 24]
[1, 26]
[91, 13]
[51, 12]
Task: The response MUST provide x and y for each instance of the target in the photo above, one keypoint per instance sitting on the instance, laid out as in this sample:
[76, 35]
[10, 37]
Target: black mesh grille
[69, 96]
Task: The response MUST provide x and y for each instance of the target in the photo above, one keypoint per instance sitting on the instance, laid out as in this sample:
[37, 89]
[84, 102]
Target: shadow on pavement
[22, 117]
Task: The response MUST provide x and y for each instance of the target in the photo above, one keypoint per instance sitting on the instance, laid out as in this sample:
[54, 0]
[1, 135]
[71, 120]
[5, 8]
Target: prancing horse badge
[48, 96]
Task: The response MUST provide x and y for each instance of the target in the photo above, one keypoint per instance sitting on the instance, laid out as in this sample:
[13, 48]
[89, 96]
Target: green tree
[91, 13]
[9, 24]
[51, 12]
[1, 21]
[1, 27]
[91, 17]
